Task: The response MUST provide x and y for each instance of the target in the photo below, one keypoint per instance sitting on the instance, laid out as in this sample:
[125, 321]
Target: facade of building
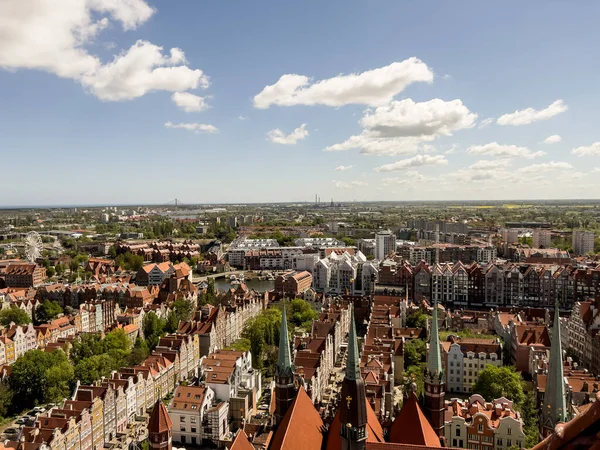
[24, 275]
[583, 242]
[337, 273]
[541, 238]
[385, 244]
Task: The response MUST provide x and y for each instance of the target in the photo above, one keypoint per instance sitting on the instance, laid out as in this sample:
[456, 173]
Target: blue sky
[76, 127]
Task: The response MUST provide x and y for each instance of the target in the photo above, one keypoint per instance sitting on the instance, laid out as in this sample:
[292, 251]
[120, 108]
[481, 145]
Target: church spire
[353, 362]
[285, 388]
[434, 358]
[555, 399]
[284, 358]
[353, 406]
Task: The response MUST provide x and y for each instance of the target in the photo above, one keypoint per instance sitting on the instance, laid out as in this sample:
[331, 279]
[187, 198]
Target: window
[499, 441]
[182, 418]
[457, 431]
[182, 428]
[509, 442]
[193, 429]
[193, 419]
[480, 428]
[509, 431]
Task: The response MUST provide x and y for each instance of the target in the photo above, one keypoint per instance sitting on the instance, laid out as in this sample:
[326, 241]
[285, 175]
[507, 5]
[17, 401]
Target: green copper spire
[555, 399]
[434, 358]
[284, 359]
[353, 361]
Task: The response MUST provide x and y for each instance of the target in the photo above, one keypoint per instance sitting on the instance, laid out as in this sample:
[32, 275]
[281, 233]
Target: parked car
[40, 409]
[11, 431]
[20, 422]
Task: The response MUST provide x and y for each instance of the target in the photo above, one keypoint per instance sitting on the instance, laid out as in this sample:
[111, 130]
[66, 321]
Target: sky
[144, 101]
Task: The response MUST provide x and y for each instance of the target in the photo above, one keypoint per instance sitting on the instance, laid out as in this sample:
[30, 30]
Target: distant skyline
[141, 102]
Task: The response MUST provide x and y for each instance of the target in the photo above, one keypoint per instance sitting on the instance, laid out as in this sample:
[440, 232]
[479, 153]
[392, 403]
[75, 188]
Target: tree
[417, 320]
[241, 345]
[414, 352]
[301, 313]
[50, 272]
[414, 374]
[129, 261]
[139, 352]
[183, 309]
[495, 382]
[95, 367]
[14, 314]
[530, 416]
[172, 322]
[60, 269]
[46, 311]
[41, 377]
[153, 329]
[86, 346]
[117, 345]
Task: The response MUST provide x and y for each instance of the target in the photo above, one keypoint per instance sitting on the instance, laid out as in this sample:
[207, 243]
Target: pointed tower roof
[241, 442]
[434, 358]
[555, 403]
[411, 427]
[284, 358]
[159, 422]
[353, 361]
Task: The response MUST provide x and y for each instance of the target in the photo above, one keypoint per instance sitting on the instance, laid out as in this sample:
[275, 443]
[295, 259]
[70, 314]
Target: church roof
[374, 430]
[301, 427]
[160, 421]
[284, 358]
[241, 442]
[412, 427]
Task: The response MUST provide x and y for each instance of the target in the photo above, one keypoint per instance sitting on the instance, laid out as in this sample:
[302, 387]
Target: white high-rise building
[583, 242]
[385, 243]
[541, 238]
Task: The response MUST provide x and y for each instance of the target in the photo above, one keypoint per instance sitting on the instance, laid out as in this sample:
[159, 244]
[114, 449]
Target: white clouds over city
[530, 115]
[195, 127]
[416, 161]
[554, 139]
[190, 102]
[278, 136]
[372, 87]
[343, 168]
[588, 150]
[503, 151]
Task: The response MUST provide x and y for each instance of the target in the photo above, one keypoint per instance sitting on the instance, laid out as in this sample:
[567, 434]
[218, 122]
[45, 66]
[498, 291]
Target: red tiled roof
[412, 427]
[301, 428]
[160, 421]
[241, 442]
[374, 430]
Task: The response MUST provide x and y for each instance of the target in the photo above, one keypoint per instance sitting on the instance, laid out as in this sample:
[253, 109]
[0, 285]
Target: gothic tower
[554, 409]
[353, 405]
[160, 428]
[434, 379]
[285, 389]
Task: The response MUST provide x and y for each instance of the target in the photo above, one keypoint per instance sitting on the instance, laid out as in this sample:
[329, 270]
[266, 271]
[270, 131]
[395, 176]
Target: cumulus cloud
[52, 36]
[346, 185]
[195, 127]
[277, 136]
[402, 127]
[503, 151]
[373, 87]
[190, 102]
[242, 117]
[343, 168]
[411, 176]
[487, 164]
[545, 167]
[416, 161]
[530, 115]
[589, 150]
[554, 139]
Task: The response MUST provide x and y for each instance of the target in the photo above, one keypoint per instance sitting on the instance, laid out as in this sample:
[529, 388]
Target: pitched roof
[241, 442]
[374, 430]
[160, 421]
[301, 428]
[412, 427]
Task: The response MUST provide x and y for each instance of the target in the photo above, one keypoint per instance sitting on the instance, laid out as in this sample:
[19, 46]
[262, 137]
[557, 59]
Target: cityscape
[335, 225]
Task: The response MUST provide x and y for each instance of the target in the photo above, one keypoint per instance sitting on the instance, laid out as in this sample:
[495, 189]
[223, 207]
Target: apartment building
[385, 244]
[541, 238]
[583, 242]
[338, 273]
[293, 284]
[188, 411]
[477, 424]
[464, 358]
[509, 235]
[154, 274]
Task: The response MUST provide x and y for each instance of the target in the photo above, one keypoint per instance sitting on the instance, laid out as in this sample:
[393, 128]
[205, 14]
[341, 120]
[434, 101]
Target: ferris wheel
[33, 246]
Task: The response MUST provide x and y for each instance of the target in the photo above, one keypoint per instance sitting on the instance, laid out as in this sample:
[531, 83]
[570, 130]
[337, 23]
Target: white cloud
[596, 170]
[52, 36]
[486, 123]
[590, 150]
[530, 115]
[411, 176]
[345, 185]
[416, 161]
[451, 150]
[373, 87]
[503, 151]
[279, 137]
[545, 167]
[486, 164]
[402, 127]
[343, 168]
[242, 117]
[190, 102]
[195, 127]
[554, 139]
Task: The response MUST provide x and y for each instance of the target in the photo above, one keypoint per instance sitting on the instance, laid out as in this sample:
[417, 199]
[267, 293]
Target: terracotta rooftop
[301, 428]
[160, 421]
[412, 427]
[241, 442]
